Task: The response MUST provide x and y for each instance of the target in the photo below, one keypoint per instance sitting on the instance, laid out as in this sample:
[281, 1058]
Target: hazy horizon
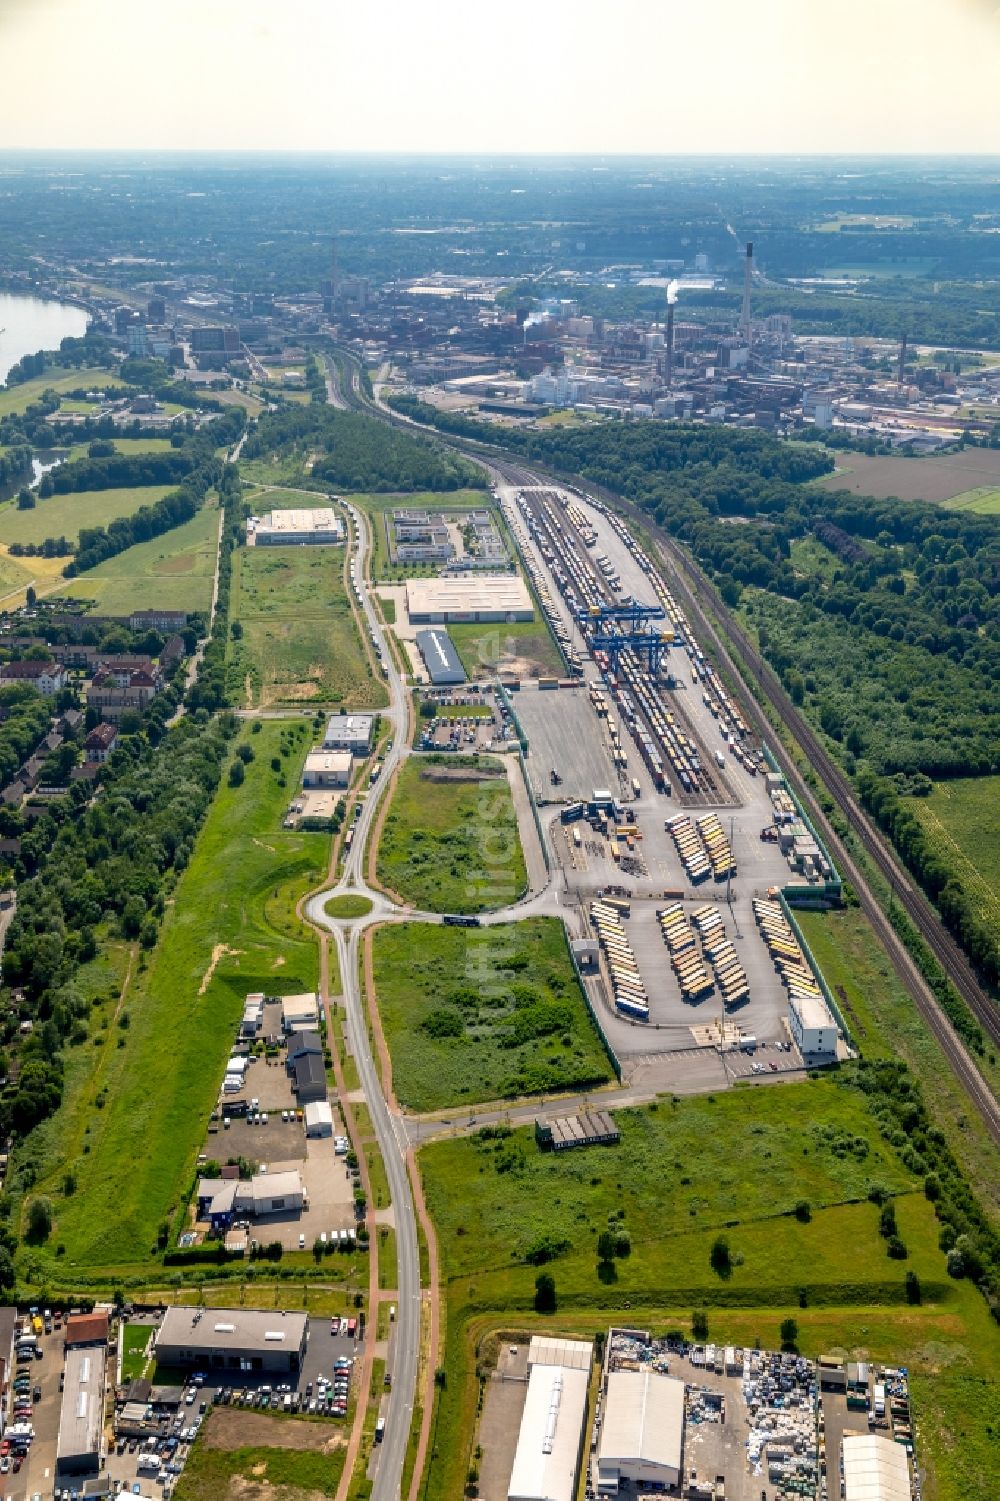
[886, 78]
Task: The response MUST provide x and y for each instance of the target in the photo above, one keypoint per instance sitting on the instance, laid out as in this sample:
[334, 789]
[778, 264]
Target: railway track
[693, 587]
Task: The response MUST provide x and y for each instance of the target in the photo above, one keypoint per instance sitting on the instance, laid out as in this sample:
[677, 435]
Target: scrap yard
[678, 841]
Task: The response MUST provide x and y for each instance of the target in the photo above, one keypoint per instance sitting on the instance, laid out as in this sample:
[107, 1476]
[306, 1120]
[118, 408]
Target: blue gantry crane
[616, 628]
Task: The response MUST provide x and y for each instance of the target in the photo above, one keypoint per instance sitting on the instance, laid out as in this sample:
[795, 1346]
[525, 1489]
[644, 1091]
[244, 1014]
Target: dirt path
[220, 951]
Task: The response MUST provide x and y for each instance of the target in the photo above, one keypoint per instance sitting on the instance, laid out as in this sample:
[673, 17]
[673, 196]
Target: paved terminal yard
[591, 735]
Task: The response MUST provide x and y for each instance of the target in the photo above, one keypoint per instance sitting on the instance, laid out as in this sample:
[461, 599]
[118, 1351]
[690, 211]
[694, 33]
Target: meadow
[172, 572]
[450, 841]
[303, 1460]
[132, 1129]
[19, 398]
[300, 642]
[885, 1023]
[484, 1014]
[525, 647]
[960, 817]
[673, 1186]
[65, 515]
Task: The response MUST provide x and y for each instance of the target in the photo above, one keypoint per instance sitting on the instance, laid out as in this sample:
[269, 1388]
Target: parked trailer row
[693, 978]
[626, 981]
[717, 846]
[793, 969]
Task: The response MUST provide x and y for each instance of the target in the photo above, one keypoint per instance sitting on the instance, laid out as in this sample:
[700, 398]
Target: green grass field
[300, 641]
[133, 1132]
[172, 572]
[963, 819]
[18, 398]
[64, 515]
[277, 1473]
[985, 500]
[885, 1023]
[135, 1342]
[450, 842]
[524, 647]
[482, 1014]
[348, 906]
[13, 575]
[676, 1181]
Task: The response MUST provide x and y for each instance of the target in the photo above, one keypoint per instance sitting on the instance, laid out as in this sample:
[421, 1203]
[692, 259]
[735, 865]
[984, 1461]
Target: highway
[389, 1132]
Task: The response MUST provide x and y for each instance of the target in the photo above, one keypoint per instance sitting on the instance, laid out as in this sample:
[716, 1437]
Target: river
[28, 324]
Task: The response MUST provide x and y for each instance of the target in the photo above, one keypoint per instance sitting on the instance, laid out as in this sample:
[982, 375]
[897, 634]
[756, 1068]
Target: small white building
[350, 732]
[550, 1442]
[319, 1118]
[270, 1193]
[812, 1026]
[875, 1468]
[327, 769]
[642, 1433]
[253, 1015]
[300, 1012]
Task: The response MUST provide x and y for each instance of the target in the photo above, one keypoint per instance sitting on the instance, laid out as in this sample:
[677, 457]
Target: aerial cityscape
[500, 747]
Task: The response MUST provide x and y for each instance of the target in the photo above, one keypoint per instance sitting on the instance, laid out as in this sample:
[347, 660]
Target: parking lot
[564, 734]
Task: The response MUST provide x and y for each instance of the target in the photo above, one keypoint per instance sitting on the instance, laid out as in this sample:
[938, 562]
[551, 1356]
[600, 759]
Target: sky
[662, 77]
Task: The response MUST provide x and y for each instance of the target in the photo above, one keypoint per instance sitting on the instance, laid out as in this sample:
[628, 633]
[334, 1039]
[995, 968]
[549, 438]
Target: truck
[636, 789]
[878, 1400]
[720, 760]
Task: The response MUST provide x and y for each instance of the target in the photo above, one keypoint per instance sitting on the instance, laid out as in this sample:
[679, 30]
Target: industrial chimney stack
[670, 343]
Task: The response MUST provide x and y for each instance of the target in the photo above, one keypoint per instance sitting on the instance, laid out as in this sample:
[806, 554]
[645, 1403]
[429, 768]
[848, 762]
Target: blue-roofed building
[442, 661]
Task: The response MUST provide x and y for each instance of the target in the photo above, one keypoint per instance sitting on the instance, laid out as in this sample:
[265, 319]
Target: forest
[358, 453]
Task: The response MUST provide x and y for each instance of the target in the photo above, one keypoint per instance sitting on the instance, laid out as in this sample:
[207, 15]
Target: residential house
[48, 676]
[100, 742]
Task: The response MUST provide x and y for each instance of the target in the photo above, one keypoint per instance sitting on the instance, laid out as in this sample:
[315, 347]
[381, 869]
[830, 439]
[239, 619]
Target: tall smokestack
[670, 343]
[901, 370]
[745, 314]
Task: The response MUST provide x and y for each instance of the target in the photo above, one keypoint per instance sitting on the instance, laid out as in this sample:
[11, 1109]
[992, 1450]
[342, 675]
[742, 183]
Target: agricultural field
[65, 515]
[19, 398]
[300, 643]
[939, 478]
[450, 841]
[985, 501]
[674, 1186]
[14, 575]
[249, 1454]
[961, 817]
[171, 572]
[483, 1014]
[230, 928]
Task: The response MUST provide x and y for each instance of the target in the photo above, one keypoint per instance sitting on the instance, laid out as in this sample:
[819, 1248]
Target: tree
[237, 774]
[606, 1246]
[699, 1324]
[545, 1293]
[789, 1335]
[720, 1257]
[30, 597]
[39, 1220]
[236, 630]
[25, 499]
[912, 1288]
[803, 1211]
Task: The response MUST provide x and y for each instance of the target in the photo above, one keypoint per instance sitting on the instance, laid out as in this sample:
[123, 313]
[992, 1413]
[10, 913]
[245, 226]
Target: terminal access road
[391, 1141]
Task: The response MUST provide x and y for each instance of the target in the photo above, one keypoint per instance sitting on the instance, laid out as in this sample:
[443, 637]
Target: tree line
[357, 452]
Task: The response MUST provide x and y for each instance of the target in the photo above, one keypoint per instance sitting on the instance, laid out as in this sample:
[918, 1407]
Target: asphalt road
[388, 1130]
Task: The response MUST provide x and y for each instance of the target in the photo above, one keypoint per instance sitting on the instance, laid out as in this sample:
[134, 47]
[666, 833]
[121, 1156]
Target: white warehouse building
[642, 1433]
[812, 1026]
[550, 1442]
